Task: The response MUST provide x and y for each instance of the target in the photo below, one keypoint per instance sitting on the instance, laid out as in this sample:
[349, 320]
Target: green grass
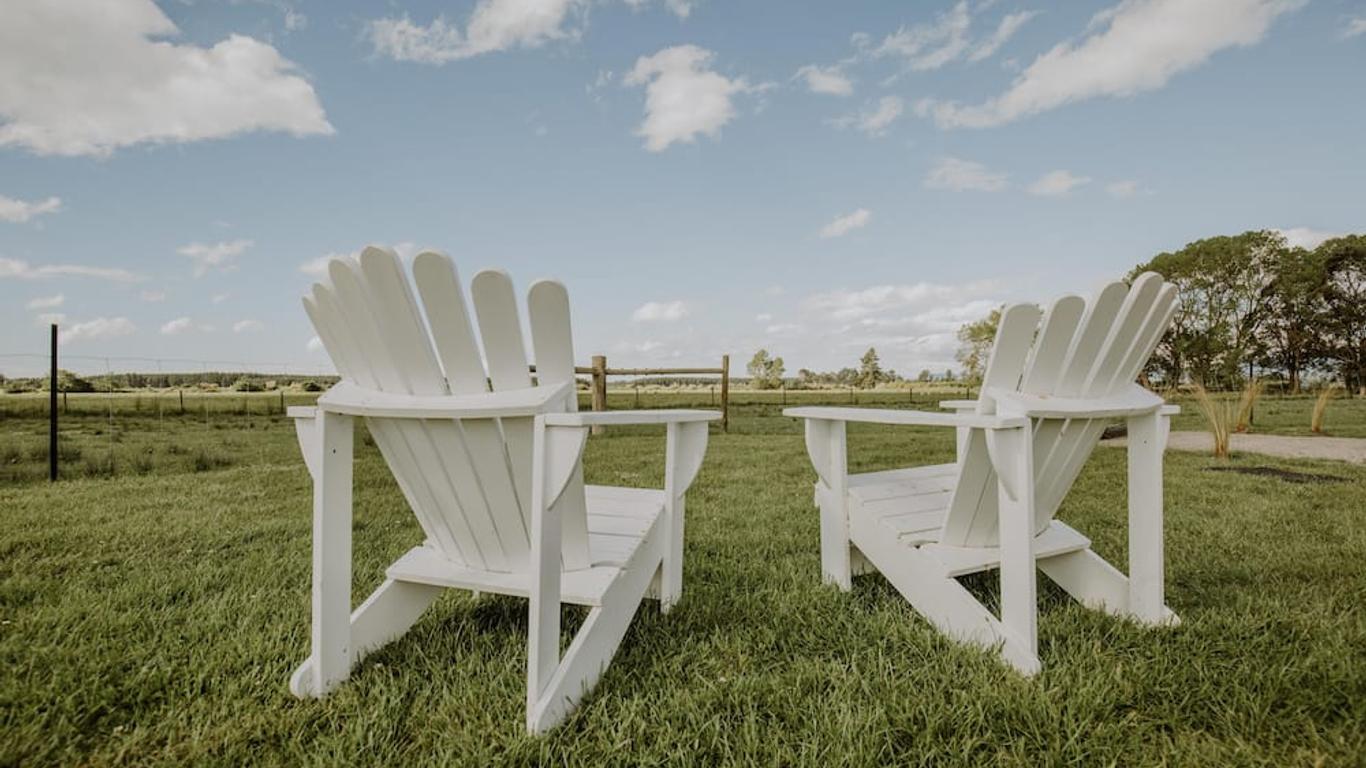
[155, 617]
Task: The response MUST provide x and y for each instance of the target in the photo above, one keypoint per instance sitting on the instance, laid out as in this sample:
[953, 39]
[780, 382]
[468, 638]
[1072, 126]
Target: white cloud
[1303, 237]
[247, 326]
[1355, 26]
[22, 270]
[151, 297]
[930, 46]
[825, 80]
[847, 305]
[1122, 189]
[294, 21]
[20, 211]
[682, 97]
[219, 298]
[960, 175]
[218, 256]
[46, 302]
[660, 311]
[1143, 44]
[493, 25]
[98, 328]
[875, 120]
[847, 223]
[679, 8]
[314, 344]
[86, 78]
[50, 318]
[763, 317]
[178, 325]
[1057, 183]
[317, 267]
[1010, 24]
[783, 329]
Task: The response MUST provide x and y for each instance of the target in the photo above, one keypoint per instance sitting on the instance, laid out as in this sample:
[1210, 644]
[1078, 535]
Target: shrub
[1219, 415]
[1246, 402]
[1320, 406]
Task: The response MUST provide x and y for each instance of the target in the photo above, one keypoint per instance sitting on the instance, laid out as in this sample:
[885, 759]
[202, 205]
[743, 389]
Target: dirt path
[1351, 449]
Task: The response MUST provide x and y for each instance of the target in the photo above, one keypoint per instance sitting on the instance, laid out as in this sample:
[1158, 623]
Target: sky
[706, 177]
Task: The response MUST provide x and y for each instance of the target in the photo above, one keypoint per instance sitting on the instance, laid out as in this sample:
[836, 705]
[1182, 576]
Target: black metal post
[52, 414]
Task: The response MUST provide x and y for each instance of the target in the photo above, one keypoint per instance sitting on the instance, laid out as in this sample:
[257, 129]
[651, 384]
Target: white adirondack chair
[494, 477]
[1049, 390]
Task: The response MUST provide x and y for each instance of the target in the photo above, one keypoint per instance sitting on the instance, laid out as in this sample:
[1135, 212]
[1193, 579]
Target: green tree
[1222, 302]
[765, 372]
[925, 375]
[870, 372]
[948, 374]
[974, 345]
[1291, 333]
[1344, 318]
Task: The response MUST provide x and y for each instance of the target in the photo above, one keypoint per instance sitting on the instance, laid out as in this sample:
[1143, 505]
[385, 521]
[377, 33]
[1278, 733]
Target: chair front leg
[1012, 455]
[1147, 439]
[685, 446]
[827, 447]
[331, 637]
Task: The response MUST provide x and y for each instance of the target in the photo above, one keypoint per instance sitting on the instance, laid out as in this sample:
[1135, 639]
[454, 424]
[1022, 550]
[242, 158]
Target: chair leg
[384, 617]
[1013, 458]
[551, 697]
[331, 634]
[1146, 578]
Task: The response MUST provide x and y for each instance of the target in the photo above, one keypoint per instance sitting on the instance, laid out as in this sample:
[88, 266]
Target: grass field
[151, 613]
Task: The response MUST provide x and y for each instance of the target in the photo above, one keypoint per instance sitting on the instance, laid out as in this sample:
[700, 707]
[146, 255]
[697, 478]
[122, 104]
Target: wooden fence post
[599, 387]
[725, 393]
[52, 413]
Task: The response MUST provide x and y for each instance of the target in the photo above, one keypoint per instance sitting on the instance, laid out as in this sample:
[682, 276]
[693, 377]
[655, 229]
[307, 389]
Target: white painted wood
[622, 418]
[1146, 585]
[332, 553]
[906, 418]
[495, 481]
[834, 506]
[1049, 389]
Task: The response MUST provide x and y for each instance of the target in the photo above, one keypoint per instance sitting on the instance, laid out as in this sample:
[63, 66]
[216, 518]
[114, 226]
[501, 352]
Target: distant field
[147, 432]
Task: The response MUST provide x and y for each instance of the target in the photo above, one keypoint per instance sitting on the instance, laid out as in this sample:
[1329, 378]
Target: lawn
[152, 614]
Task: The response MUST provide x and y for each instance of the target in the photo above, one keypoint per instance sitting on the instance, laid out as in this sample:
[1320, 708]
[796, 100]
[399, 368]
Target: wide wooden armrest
[908, 418]
[958, 405]
[1133, 401]
[1170, 410]
[621, 418]
[354, 400]
[302, 412]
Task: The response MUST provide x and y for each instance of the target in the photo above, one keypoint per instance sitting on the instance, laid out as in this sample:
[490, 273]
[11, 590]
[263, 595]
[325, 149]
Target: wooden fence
[599, 371]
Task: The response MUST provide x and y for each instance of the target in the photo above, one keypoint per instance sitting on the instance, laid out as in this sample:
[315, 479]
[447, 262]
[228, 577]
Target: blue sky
[705, 176]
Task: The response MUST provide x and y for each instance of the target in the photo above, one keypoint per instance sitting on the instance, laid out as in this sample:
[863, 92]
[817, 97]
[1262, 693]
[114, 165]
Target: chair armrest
[908, 418]
[1133, 401]
[353, 400]
[619, 418]
[302, 412]
[1170, 410]
[958, 405]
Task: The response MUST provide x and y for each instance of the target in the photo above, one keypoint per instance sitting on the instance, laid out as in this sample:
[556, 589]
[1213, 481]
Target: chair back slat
[972, 509]
[548, 307]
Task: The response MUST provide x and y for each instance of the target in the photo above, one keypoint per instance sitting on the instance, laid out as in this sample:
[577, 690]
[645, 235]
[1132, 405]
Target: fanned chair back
[468, 481]
[1077, 349]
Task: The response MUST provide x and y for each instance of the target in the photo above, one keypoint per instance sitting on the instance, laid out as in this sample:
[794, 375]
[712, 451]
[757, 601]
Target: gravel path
[1351, 449]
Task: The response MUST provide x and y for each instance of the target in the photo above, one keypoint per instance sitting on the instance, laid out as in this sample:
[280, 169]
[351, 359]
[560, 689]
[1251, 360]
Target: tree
[765, 372]
[925, 375]
[1344, 260]
[1222, 302]
[870, 370]
[1291, 336]
[975, 340]
[948, 374]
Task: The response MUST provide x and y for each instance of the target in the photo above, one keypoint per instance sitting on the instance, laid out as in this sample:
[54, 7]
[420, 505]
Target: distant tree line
[767, 372]
[1249, 305]
[237, 381]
